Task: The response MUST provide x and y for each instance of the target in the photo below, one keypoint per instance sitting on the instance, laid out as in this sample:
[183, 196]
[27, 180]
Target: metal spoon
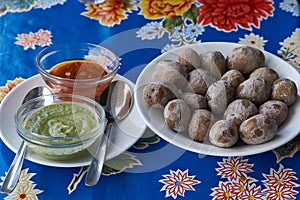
[14, 170]
[92, 1]
[117, 102]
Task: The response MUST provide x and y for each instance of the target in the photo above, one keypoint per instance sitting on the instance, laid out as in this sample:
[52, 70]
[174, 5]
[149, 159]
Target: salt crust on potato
[240, 110]
[223, 133]
[254, 89]
[233, 76]
[214, 62]
[245, 59]
[170, 72]
[277, 110]
[219, 95]
[200, 124]
[285, 90]
[200, 80]
[177, 115]
[258, 129]
[189, 58]
[157, 93]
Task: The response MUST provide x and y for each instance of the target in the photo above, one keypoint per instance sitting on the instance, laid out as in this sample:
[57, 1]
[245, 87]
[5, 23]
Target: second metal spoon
[117, 102]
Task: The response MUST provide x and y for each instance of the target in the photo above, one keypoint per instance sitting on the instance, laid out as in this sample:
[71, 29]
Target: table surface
[139, 31]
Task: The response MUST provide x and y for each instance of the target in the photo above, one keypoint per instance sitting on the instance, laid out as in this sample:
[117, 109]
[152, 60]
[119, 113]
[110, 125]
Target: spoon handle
[14, 170]
[95, 169]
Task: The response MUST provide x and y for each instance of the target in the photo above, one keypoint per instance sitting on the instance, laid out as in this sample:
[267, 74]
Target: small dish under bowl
[60, 126]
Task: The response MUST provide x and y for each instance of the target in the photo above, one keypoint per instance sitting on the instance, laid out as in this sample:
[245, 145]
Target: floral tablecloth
[138, 31]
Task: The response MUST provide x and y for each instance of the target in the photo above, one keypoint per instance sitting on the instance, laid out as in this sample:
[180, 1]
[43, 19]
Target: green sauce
[61, 119]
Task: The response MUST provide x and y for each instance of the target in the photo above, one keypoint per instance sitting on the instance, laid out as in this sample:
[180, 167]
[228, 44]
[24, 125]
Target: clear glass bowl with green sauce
[60, 126]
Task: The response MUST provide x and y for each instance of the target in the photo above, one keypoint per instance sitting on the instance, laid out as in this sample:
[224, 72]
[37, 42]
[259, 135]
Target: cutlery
[117, 102]
[14, 170]
[92, 1]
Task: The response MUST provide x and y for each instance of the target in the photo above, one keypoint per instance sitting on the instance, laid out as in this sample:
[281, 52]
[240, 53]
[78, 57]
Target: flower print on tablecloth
[229, 15]
[45, 4]
[111, 167]
[146, 140]
[234, 168]
[25, 188]
[40, 38]
[290, 50]
[4, 90]
[253, 41]
[15, 6]
[26, 5]
[288, 150]
[292, 6]
[184, 21]
[277, 184]
[110, 13]
[280, 184]
[177, 182]
[178, 19]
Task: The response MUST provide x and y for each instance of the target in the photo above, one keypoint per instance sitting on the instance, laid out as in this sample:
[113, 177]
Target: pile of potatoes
[219, 99]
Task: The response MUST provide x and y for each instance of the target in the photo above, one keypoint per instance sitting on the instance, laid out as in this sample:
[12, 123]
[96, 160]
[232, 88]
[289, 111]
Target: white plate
[154, 117]
[123, 136]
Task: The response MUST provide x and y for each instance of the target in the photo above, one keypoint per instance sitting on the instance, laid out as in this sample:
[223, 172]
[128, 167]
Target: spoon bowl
[14, 170]
[117, 102]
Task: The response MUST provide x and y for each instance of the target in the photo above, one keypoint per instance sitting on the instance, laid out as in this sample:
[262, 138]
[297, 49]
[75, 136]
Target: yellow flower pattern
[290, 50]
[4, 90]
[155, 9]
[110, 12]
[25, 189]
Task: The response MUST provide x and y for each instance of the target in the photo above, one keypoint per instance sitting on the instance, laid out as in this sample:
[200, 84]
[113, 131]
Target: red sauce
[78, 69]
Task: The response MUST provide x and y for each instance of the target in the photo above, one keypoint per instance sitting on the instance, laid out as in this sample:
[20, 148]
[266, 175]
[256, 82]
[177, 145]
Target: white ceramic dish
[124, 135]
[155, 120]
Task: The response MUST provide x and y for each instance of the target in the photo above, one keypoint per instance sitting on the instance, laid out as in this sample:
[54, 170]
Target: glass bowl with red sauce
[77, 68]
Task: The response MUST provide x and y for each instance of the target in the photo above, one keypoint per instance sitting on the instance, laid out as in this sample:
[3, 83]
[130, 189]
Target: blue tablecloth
[138, 31]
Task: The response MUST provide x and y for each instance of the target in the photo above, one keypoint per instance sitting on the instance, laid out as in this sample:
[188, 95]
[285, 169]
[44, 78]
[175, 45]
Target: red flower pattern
[234, 168]
[226, 15]
[280, 193]
[223, 192]
[238, 188]
[252, 193]
[177, 182]
[280, 184]
[282, 177]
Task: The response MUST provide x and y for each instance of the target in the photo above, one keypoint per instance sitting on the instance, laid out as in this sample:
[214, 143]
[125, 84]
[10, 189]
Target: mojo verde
[61, 119]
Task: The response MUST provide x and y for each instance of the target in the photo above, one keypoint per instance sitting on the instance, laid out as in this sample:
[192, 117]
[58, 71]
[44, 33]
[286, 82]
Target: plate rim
[207, 148]
[33, 80]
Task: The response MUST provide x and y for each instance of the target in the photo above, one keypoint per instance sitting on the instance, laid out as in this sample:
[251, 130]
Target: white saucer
[123, 136]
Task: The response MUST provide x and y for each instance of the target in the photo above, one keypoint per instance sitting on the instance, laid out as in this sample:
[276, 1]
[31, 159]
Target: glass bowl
[77, 68]
[60, 126]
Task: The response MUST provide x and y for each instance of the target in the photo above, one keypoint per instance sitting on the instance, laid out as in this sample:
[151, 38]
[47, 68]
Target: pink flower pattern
[41, 38]
[26, 40]
[177, 182]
